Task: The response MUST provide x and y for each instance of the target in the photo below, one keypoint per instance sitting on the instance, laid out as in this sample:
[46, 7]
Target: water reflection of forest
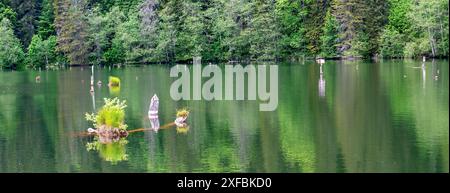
[371, 119]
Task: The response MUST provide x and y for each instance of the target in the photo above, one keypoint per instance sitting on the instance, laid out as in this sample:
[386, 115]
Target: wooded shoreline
[40, 33]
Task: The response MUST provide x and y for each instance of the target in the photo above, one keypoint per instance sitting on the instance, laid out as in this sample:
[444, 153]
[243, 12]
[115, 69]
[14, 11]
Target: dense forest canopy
[43, 33]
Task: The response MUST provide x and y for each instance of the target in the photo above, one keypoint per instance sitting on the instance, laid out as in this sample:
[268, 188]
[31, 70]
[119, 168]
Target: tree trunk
[432, 43]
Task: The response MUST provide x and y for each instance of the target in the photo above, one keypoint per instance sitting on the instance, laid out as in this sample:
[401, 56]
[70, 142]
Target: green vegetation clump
[111, 132]
[182, 112]
[112, 114]
[114, 81]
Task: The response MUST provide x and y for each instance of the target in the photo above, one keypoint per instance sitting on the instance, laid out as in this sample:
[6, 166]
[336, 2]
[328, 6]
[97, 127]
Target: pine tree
[101, 28]
[148, 27]
[237, 21]
[348, 14]
[27, 14]
[314, 22]
[397, 32]
[375, 17]
[169, 28]
[291, 16]
[125, 46]
[46, 26]
[70, 23]
[264, 32]
[7, 12]
[329, 39]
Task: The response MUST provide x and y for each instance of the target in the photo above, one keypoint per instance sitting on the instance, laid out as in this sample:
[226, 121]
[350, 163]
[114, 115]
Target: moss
[111, 115]
[114, 81]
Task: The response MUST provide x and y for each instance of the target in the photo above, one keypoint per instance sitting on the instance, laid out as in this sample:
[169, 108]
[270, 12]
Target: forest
[49, 33]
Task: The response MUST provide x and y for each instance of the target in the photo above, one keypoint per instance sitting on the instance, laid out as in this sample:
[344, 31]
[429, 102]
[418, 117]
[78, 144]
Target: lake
[355, 116]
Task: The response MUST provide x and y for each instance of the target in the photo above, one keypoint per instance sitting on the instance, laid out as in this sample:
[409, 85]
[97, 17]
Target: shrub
[112, 114]
[114, 81]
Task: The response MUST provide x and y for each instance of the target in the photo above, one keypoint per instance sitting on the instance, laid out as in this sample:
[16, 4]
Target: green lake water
[388, 116]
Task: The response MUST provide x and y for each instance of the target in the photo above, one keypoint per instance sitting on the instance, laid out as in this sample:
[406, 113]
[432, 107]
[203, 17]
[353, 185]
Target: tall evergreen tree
[291, 16]
[375, 17]
[7, 12]
[169, 27]
[314, 22]
[348, 14]
[329, 39]
[148, 27]
[398, 29]
[191, 40]
[264, 32]
[27, 14]
[46, 19]
[70, 23]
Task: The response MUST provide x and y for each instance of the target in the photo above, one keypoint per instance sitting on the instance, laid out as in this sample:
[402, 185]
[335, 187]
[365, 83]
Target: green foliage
[417, 48]
[430, 19]
[112, 114]
[361, 23]
[109, 32]
[330, 37]
[114, 81]
[264, 32]
[348, 14]
[70, 22]
[11, 53]
[190, 40]
[125, 5]
[124, 46]
[41, 53]
[127, 39]
[26, 19]
[148, 29]
[290, 16]
[313, 23]
[392, 44]
[46, 27]
[361, 46]
[398, 19]
[375, 13]
[101, 29]
[7, 12]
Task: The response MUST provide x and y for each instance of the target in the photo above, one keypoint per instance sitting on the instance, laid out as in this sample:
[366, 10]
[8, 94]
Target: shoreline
[137, 64]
